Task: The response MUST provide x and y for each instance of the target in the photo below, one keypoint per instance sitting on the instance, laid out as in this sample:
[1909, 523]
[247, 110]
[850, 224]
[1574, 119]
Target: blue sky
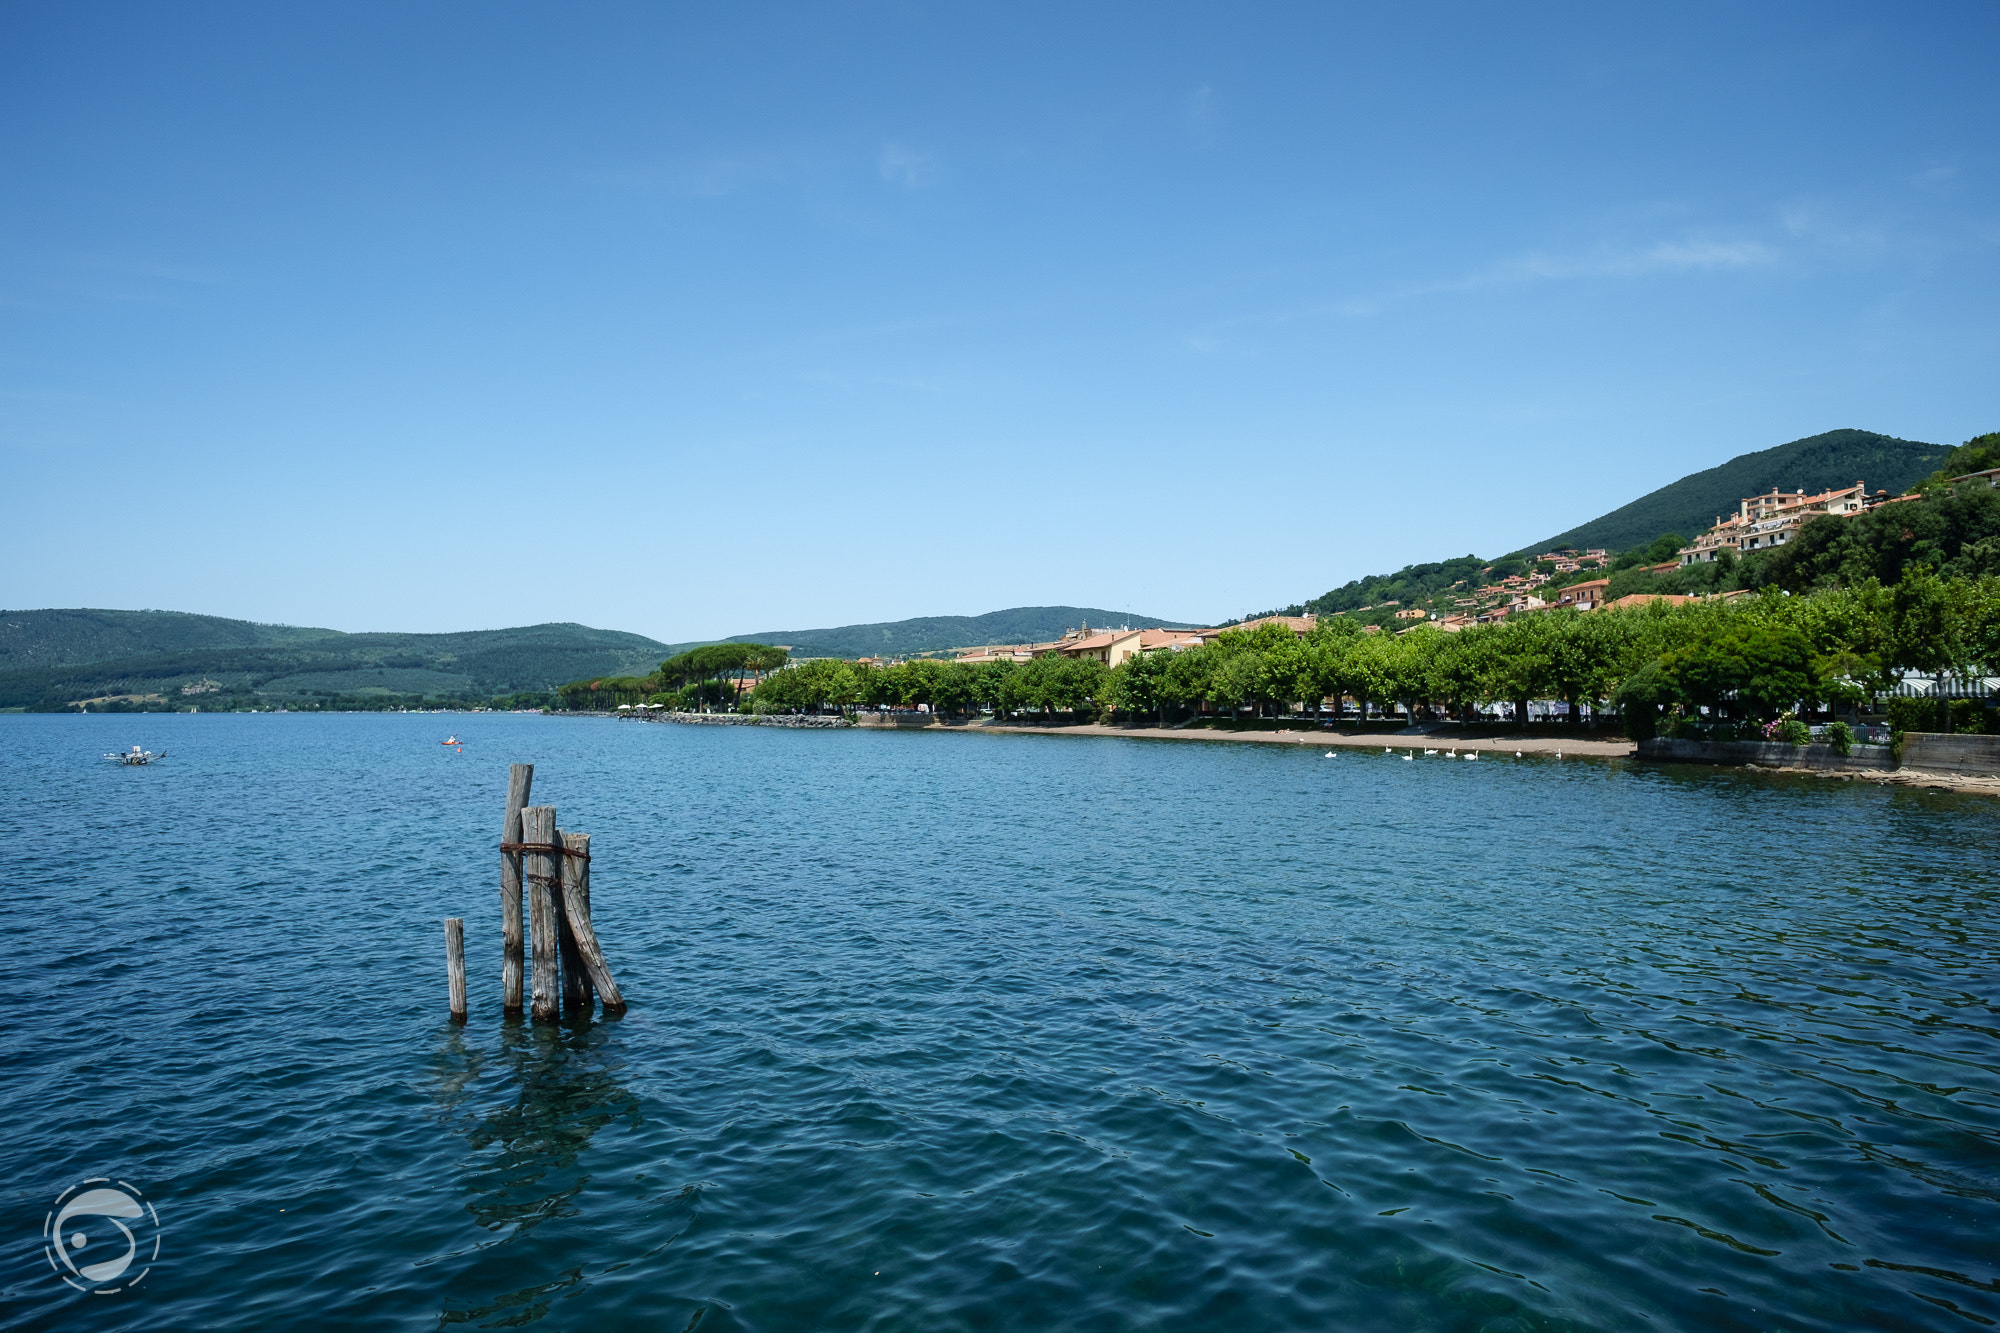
[704, 320]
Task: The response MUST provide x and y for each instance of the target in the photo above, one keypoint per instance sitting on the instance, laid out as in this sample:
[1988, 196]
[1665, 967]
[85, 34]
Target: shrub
[1791, 731]
[1928, 715]
[1840, 736]
[1641, 720]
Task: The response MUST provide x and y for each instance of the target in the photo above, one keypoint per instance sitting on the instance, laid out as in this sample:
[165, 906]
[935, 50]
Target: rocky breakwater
[741, 719]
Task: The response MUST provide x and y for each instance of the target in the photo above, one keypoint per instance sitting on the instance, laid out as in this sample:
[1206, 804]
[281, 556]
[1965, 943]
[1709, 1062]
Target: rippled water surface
[989, 1032]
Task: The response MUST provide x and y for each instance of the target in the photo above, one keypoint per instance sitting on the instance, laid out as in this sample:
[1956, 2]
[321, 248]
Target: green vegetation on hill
[322, 668]
[1409, 585]
[72, 637]
[1718, 669]
[930, 634]
[1953, 531]
[1652, 529]
[1816, 463]
[1981, 453]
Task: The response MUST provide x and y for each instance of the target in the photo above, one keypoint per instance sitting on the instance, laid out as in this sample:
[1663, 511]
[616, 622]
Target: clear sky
[702, 320]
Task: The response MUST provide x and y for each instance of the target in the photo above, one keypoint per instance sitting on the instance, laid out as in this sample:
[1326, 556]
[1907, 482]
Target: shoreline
[1581, 746]
[1566, 747]
[1446, 746]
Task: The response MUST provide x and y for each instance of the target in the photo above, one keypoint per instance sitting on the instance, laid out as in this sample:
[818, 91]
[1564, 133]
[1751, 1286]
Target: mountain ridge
[54, 657]
[1813, 463]
[924, 634]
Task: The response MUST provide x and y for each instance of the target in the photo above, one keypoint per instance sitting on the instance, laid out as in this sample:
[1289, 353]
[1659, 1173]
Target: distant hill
[67, 638]
[50, 658]
[927, 634]
[1816, 463]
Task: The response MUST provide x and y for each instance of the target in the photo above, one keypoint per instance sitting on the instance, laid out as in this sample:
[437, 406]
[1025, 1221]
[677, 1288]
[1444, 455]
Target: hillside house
[1764, 521]
[1300, 625]
[1584, 596]
[1569, 562]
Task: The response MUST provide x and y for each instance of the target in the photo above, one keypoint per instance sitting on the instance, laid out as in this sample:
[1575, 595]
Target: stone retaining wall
[1669, 750]
[1939, 753]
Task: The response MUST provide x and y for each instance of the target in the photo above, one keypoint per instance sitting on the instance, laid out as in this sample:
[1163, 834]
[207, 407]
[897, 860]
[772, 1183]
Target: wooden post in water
[538, 826]
[576, 995]
[519, 778]
[576, 909]
[454, 964]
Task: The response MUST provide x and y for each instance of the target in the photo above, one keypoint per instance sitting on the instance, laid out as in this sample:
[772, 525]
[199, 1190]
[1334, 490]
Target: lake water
[953, 1031]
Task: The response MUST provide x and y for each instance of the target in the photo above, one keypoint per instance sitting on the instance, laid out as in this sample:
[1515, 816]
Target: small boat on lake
[135, 755]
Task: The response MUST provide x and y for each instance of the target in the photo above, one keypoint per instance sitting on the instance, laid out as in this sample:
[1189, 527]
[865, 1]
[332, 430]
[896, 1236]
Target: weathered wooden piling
[519, 778]
[576, 911]
[538, 833]
[454, 964]
[576, 996]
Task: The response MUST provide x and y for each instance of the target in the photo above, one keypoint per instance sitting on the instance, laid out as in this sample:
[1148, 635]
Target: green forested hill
[1816, 463]
[925, 634]
[49, 660]
[69, 637]
[52, 659]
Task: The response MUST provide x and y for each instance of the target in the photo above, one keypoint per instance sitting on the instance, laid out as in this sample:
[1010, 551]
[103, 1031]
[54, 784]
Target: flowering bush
[1787, 730]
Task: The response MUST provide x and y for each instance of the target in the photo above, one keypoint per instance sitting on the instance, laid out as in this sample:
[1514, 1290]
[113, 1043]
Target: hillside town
[1759, 523]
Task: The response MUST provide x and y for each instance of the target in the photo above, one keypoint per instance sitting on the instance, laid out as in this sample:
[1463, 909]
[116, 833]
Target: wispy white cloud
[1617, 262]
[1694, 255]
[1202, 117]
[905, 166]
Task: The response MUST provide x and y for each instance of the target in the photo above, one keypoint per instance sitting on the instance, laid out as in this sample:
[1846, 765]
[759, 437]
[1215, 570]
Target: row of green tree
[1736, 662]
[714, 674]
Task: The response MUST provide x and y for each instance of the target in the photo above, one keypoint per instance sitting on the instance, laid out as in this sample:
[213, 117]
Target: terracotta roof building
[1764, 521]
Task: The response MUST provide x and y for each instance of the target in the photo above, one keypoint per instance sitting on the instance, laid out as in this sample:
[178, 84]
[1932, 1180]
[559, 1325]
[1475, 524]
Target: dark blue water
[964, 1032]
